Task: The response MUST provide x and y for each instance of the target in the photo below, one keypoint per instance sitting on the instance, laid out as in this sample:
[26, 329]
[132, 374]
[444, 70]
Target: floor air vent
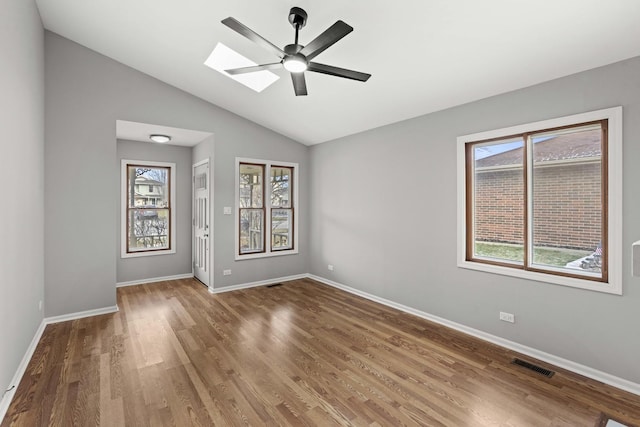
[274, 285]
[535, 368]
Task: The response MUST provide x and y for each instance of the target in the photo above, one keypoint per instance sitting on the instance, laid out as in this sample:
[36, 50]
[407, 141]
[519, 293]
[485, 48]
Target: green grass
[544, 256]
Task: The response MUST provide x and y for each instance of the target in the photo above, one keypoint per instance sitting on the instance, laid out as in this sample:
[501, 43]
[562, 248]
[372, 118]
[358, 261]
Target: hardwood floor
[298, 354]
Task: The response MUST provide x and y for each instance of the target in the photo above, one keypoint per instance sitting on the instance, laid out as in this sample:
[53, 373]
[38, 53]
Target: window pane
[567, 200]
[498, 200]
[281, 220]
[148, 229]
[251, 185]
[281, 186]
[148, 186]
[251, 230]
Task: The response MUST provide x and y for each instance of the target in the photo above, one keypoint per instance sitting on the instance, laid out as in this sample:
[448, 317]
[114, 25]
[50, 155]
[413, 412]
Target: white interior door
[201, 214]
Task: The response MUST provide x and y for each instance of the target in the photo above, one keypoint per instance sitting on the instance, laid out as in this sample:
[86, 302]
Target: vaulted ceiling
[424, 55]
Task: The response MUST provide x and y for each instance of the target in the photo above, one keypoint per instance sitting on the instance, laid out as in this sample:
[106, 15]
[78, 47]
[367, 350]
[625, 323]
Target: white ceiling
[424, 55]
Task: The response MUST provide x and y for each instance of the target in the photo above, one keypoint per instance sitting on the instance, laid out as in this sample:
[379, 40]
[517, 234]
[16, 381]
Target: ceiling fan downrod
[298, 19]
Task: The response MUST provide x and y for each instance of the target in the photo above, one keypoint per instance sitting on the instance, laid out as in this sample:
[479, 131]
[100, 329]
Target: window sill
[266, 255]
[147, 253]
[609, 288]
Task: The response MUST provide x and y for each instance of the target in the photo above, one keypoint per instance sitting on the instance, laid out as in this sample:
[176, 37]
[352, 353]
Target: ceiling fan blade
[338, 72]
[326, 39]
[242, 29]
[253, 68]
[299, 84]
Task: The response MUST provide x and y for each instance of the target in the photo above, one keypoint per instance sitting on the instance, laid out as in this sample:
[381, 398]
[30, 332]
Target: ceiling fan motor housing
[292, 49]
[297, 17]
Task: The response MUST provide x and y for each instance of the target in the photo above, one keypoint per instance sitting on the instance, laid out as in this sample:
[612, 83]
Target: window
[543, 201]
[148, 214]
[266, 206]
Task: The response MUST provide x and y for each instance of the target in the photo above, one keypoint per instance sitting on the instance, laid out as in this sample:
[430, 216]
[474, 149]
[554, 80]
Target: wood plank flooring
[298, 354]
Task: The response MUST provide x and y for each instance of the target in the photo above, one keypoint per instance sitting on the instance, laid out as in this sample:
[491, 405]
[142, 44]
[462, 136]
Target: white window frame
[614, 194]
[267, 204]
[123, 208]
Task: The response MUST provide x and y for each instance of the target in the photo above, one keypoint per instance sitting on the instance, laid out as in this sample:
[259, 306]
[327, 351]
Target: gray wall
[383, 212]
[148, 267]
[85, 94]
[22, 173]
[204, 150]
[382, 204]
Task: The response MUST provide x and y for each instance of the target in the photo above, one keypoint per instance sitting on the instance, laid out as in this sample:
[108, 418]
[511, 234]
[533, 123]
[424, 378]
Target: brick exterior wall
[498, 206]
[567, 206]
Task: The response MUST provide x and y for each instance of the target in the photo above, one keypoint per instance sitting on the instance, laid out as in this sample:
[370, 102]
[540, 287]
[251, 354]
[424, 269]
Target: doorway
[201, 222]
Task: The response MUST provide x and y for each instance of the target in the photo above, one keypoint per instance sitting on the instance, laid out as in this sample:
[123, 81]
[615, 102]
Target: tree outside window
[148, 208]
[266, 208]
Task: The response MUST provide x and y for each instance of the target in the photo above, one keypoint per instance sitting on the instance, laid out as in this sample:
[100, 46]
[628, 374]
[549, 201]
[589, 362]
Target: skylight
[224, 58]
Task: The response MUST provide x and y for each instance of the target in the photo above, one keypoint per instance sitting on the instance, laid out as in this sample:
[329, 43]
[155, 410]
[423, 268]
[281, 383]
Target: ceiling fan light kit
[295, 63]
[295, 57]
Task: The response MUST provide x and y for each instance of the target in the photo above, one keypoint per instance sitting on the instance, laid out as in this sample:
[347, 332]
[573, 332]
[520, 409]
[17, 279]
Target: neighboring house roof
[562, 147]
[141, 180]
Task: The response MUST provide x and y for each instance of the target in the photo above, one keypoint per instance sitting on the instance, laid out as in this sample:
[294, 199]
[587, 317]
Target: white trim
[560, 362]
[614, 191]
[154, 280]
[266, 254]
[24, 363]
[267, 204]
[123, 208]
[594, 374]
[81, 314]
[256, 284]
[22, 368]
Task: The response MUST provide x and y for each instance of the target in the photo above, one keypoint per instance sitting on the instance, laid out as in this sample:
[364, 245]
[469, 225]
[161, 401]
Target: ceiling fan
[295, 57]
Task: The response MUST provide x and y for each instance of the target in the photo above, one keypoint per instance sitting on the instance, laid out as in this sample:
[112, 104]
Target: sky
[490, 150]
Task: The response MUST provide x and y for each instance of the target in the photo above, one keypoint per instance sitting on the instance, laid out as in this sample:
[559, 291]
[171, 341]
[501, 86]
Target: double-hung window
[543, 201]
[148, 214]
[266, 208]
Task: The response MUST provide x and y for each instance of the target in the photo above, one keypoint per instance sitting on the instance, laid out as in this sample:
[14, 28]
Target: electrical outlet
[226, 272]
[330, 267]
[227, 210]
[507, 317]
[40, 305]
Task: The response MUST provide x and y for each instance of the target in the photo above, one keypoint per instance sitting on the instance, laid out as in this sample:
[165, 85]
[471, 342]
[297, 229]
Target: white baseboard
[80, 314]
[22, 367]
[569, 365]
[255, 284]
[532, 352]
[154, 280]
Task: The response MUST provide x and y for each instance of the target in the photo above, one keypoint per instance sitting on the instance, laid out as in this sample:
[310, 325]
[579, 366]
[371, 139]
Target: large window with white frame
[543, 201]
[266, 208]
[148, 208]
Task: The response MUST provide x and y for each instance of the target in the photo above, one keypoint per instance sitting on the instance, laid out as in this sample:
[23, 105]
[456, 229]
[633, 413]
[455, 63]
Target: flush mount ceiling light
[159, 138]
